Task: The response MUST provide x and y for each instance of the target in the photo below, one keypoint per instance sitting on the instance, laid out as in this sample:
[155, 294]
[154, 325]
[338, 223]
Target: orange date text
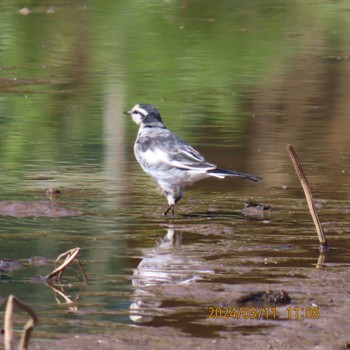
[244, 312]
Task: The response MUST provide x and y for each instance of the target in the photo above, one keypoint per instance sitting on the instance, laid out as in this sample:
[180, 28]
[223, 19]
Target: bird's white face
[137, 113]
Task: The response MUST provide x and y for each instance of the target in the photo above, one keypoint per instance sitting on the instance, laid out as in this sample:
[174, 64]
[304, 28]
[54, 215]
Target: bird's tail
[221, 173]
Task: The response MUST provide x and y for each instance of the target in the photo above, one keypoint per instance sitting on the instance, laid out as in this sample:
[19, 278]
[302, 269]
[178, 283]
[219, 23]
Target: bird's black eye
[140, 113]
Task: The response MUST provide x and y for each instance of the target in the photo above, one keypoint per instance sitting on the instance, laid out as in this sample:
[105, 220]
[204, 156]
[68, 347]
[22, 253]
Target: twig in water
[69, 256]
[310, 201]
[28, 328]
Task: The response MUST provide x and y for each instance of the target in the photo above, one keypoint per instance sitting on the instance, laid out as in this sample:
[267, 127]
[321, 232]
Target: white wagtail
[171, 162]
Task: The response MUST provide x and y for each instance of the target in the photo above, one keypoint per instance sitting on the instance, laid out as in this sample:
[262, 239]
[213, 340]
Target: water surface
[237, 81]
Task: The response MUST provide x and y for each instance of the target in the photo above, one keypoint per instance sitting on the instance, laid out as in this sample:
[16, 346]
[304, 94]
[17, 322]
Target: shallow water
[239, 82]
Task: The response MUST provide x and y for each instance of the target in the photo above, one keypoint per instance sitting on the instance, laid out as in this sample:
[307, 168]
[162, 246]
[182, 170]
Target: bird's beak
[127, 112]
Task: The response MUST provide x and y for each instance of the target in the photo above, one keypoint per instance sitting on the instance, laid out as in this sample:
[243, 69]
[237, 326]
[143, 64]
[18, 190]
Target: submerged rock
[257, 211]
[21, 209]
[39, 279]
[38, 260]
[270, 297]
[7, 265]
[53, 192]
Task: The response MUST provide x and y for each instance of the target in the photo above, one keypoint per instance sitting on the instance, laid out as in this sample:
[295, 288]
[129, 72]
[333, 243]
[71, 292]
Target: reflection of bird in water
[164, 265]
[171, 162]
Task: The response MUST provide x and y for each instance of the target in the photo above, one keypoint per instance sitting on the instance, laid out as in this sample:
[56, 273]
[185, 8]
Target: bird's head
[145, 114]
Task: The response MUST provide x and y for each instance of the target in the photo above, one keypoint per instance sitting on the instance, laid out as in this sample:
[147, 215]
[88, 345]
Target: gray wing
[164, 147]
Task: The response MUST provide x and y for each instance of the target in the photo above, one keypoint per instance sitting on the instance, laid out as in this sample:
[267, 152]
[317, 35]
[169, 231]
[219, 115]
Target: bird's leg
[172, 202]
[171, 207]
[178, 194]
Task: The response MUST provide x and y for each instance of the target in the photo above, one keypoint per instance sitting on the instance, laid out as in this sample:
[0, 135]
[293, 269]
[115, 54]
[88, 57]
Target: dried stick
[55, 276]
[28, 328]
[310, 201]
[70, 255]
